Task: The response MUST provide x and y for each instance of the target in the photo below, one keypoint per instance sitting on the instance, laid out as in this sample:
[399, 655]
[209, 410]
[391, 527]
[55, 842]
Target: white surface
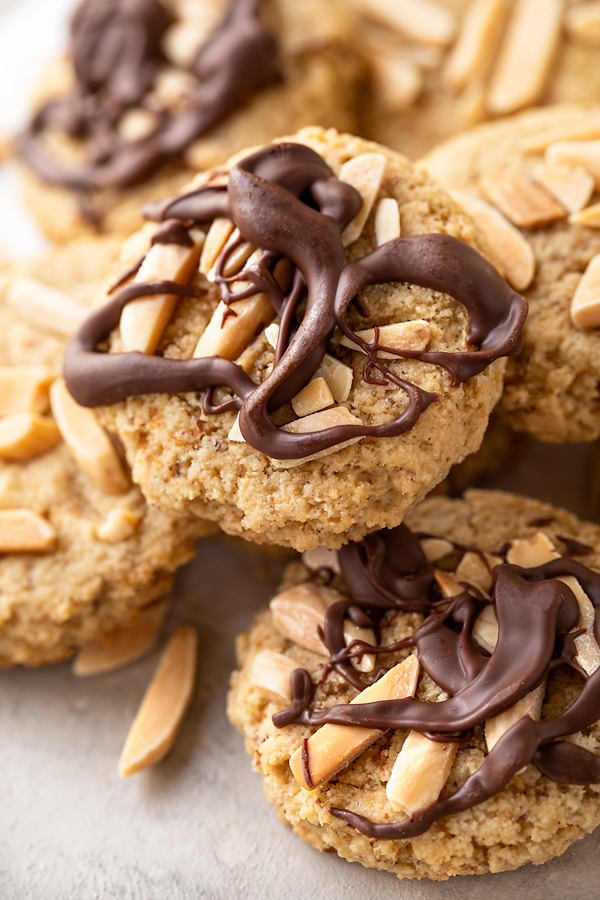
[197, 825]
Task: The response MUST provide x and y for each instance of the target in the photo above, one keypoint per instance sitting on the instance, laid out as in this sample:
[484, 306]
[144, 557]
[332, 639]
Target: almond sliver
[26, 435]
[476, 43]
[520, 200]
[24, 389]
[164, 706]
[45, 307]
[365, 173]
[571, 185]
[122, 646]
[320, 421]
[419, 773]
[23, 531]
[585, 305]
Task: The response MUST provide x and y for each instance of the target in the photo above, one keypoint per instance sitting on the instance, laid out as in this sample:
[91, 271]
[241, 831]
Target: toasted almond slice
[470, 105]
[410, 336]
[237, 259]
[522, 201]
[333, 747]
[419, 20]
[119, 525]
[272, 334]
[485, 630]
[582, 22]
[227, 337]
[419, 773]
[571, 185]
[137, 244]
[320, 421]
[88, 442]
[512, 249]
[164, 706]
[529, 705]
[271, 673]
[435, 548]
[338, 377]
[171, 86]
[396, 79]
[448, 583]
[218, 234]
[319, 558]
[532, 551]
[23, 531]
[24, 389]
[523, 65]
[589, 217]
[588, 651]
[365, 173]
[315, 396]
[585, 130]
[143, 321]
[477, 571]
[235, 433]
[585, 305]
[136, 124]
[387, 220]
[122, 646]
[299, 612]
[45, 307]
[576, 153]
[26, 435]
[476, 43]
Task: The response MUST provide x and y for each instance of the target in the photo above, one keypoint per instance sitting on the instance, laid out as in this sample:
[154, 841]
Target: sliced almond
[477, 571]
[237, 259]
[137, 244]
[320, 421]
[435, 548]
[338, 377]
[532, 551]
[333, 747]
[23, 531]
[271, 673]
[529, 705]
[588, 651]
[365, 173]
[522, 201]
[582, 22]
[88, 442]
[164, 706]
[576, 153]
[217, 236]
[585, 305]
[588, 217]
[476, 43]
[512, 249]
[315, 396]
[485, 630]
[319, 558]
[24, 389]
[470, 105]
[397, 80]
[119, 525]
[235, 433]
[136, 124]
[571, 185]
[411, 336]
[419, 773]
[122, 646]
[387, 221]
[227, 337]
[419, 20]
[586, 129]
[272, 334]
[143, 321]
[526, 56]
[45, 307]
[448, 583]
[26, 435]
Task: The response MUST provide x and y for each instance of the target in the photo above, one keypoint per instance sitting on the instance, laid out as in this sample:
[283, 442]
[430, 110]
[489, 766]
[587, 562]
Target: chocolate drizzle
[287, 201]
[537, 616]
[116, 52]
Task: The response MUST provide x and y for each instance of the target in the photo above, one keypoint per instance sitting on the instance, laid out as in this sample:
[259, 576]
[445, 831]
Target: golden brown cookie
[429, 797]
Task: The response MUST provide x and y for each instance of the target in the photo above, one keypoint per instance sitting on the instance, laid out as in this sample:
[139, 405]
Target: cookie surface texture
[107, 555]
[182, 453]
[530, 819]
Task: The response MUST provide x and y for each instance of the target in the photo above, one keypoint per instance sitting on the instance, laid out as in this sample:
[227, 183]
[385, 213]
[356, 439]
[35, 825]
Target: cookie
[466, 777]
[443, 66]
[81, 551]
[114, 130]
[369, 403]
[548, 246]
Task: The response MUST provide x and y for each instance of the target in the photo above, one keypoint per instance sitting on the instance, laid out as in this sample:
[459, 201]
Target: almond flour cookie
[454, 769]
[438, 67]
[530, 182]
[81, 552]
[199, 81]
[319, 374]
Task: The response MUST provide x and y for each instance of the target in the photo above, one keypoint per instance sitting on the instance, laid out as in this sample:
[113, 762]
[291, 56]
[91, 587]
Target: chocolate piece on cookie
[426, 701]
[312, 376]
[531, 184]
[152, 90]
[81, 552]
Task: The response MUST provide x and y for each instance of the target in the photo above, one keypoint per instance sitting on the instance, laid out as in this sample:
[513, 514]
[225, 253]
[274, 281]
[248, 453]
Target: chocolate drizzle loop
[286, 200]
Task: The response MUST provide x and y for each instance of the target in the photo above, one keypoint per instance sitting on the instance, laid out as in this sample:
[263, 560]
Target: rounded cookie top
[113, 130]
[536, 175]
[455, 768]
[362, 365]
[81, 551]
[443, 66]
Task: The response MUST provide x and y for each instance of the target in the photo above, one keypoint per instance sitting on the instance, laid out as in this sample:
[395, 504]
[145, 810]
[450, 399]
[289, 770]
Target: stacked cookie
[298, 346]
